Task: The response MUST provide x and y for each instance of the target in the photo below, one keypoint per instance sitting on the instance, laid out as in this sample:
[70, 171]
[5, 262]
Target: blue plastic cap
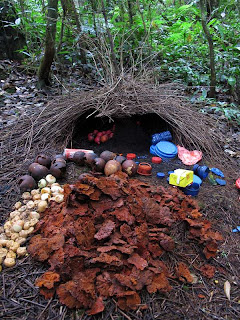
[220, 182]
[160, 175]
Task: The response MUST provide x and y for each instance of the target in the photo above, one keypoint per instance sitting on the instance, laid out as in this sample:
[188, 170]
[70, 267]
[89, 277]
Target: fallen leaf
[208, 271]
[105, 230]
[227, 289]
[183, 273]
[97, 307]
[139, 262]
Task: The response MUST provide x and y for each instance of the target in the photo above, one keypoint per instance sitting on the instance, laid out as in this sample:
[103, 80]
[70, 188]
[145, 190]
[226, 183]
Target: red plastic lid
[238, 183]
[131, 156]
[156, 160]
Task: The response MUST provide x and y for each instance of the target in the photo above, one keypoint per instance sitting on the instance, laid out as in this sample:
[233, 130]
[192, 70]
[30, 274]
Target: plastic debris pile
[108, 239]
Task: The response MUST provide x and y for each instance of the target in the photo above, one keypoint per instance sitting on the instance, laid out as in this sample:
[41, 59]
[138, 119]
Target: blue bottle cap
[160, 175]
[220, 182]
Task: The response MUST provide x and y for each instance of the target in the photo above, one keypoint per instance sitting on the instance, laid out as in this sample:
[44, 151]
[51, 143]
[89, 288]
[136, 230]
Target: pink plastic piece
[189, 157]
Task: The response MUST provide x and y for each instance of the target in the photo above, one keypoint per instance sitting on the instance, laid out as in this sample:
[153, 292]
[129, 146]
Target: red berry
[97, 140]
[104, 138]
[90, 137]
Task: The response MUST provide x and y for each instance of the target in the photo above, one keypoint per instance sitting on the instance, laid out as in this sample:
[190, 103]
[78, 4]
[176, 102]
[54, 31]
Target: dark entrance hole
[132, 134]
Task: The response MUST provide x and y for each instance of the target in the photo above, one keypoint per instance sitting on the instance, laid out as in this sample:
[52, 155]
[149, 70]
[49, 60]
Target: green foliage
[166, 36]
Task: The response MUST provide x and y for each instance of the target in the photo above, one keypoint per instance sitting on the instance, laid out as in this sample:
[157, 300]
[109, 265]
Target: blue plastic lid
[166, 149]
[160, 175]
[169, 172]
[152, 150]
[196, 179]
[220, 182]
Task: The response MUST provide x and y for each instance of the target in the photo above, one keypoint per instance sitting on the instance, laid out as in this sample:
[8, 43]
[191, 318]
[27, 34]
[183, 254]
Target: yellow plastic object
[181, 178]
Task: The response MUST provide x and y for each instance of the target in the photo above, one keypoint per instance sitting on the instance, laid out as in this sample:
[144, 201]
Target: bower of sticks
[121, 247]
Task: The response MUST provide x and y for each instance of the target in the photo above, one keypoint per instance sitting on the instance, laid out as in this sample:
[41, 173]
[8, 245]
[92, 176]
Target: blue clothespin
[218, 172]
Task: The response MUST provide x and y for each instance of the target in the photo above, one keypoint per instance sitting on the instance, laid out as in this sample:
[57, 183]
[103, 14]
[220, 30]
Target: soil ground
[204, 300]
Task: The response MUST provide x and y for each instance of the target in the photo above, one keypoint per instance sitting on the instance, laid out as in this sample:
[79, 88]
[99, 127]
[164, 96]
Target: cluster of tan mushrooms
[26, 214]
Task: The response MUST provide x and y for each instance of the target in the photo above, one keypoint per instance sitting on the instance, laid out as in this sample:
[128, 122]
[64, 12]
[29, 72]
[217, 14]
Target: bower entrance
[132, 134]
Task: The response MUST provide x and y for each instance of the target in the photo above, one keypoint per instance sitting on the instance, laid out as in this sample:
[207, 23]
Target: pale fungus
[42, 183]
[30, 205]
[30, 230]
[7, 225]
[9, 243]
[8, 232]
[59, 198]
[18, 205]
[9, 262]
[46, 190]
[14, 236]
[21, 251]
[55, 184]
[26, 225]
[23, 234]
[3, 236]
[14, 214]
[15, 246]
[3, 252]
[45, 196]
[56, 189]
[33, 222]
[34, 215]
[37, 197]
[22, 209]
[50, 179]
[35, 191]
[20, 240]
[26, 196]
[42, 206]
[3, 242]
[11, 254]
[17, 227]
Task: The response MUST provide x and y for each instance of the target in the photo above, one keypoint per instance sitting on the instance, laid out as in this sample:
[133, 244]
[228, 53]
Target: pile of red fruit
[101, 136]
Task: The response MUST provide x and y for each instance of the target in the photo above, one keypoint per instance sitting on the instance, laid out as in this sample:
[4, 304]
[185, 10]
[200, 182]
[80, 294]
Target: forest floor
[205, 299]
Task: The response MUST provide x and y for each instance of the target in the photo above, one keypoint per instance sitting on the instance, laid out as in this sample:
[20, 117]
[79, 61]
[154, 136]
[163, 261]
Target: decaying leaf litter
[150, 302]
[107, 240]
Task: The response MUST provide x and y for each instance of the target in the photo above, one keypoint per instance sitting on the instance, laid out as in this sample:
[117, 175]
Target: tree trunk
[212, 92]
[93, 6]
[130, 12]
[45, 66]
[113, 56]
[76, 18]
